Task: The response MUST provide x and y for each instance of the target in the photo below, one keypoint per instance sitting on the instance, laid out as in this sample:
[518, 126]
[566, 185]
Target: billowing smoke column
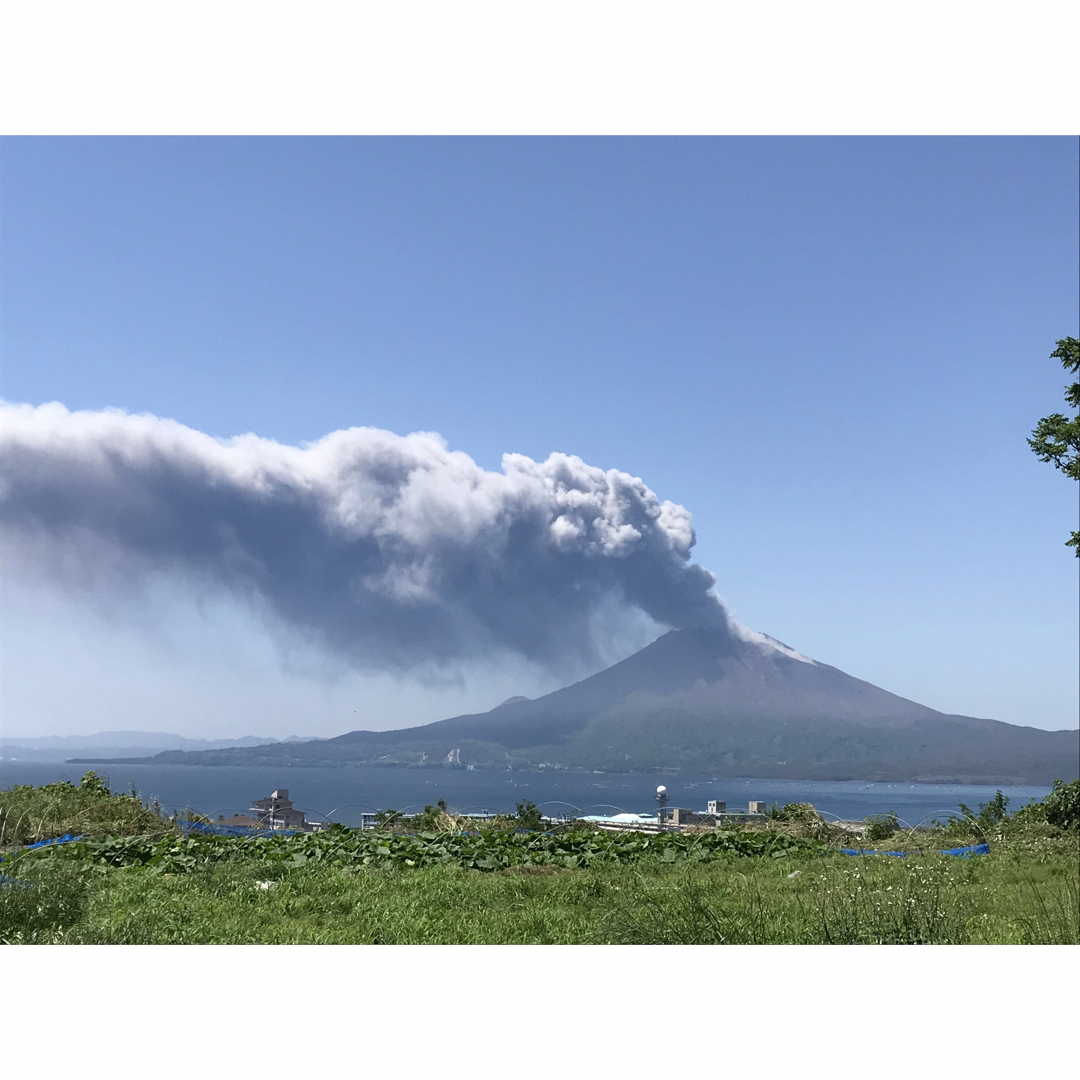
[394, 551]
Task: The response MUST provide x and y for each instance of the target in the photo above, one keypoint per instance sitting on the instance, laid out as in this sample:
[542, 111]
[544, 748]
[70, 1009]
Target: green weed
[572, 885]
[29, 814]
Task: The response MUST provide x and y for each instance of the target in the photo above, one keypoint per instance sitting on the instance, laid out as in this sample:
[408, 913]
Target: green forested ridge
[664, 735]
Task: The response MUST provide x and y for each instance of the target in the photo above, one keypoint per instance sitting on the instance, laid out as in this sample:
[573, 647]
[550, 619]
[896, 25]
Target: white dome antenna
[661, 798]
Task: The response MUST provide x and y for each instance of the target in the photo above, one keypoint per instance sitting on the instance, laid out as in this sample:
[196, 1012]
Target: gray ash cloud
[393, 551]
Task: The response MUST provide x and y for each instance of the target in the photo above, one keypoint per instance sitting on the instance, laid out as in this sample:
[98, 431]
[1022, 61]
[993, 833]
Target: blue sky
[829, 350]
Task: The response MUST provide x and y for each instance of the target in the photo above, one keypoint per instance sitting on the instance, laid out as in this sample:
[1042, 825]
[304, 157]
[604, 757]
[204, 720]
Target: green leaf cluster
[1056, 438]
[486, 851]
[990, 813]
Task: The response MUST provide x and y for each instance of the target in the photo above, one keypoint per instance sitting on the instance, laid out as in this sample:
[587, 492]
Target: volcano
[726, 701]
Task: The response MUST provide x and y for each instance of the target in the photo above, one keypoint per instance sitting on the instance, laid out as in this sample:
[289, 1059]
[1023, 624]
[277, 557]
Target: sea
[342, 795]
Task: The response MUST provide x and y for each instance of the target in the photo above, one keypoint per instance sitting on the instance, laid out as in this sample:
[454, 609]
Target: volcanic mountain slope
[729, 702]
[726, 674]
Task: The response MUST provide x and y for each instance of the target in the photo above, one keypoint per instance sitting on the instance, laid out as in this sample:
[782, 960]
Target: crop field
[436, 881]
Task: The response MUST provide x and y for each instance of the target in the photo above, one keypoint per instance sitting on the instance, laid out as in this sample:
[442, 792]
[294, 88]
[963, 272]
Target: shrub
[881, 826]
[528, 816]
[1063, 805]
[29, 814]
[795, 812]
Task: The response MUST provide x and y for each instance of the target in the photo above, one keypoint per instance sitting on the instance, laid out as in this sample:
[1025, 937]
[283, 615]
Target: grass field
[505, 887]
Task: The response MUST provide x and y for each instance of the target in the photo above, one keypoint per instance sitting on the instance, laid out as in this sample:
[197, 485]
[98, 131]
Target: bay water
[343, 794]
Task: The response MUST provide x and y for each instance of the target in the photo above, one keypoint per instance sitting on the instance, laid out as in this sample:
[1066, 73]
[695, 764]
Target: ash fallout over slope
[394, 552]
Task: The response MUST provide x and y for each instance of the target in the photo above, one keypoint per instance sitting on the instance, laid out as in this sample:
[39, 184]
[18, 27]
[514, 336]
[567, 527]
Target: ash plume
[393, 551]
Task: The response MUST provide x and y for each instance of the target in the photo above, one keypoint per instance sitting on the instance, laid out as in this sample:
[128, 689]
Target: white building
[276, 811]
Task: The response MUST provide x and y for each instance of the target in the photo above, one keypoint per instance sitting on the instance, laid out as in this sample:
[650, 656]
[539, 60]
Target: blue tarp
[963, 852]
[66, 839]
[45, 843]
[231, 830]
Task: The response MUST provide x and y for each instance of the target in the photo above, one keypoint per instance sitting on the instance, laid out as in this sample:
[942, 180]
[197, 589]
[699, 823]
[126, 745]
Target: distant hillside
[113, 744]
[713, 701]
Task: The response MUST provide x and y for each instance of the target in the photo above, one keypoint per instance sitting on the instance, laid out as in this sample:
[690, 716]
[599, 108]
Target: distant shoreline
[442, 767]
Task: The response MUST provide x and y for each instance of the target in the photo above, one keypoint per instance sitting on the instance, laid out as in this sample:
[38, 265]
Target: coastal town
[276, 812]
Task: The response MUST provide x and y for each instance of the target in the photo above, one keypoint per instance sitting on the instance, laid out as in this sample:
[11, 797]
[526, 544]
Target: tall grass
[500, 887]
[932, 900]
[43, 904]
[1049, 915]
[29, 814]
[858, 903]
